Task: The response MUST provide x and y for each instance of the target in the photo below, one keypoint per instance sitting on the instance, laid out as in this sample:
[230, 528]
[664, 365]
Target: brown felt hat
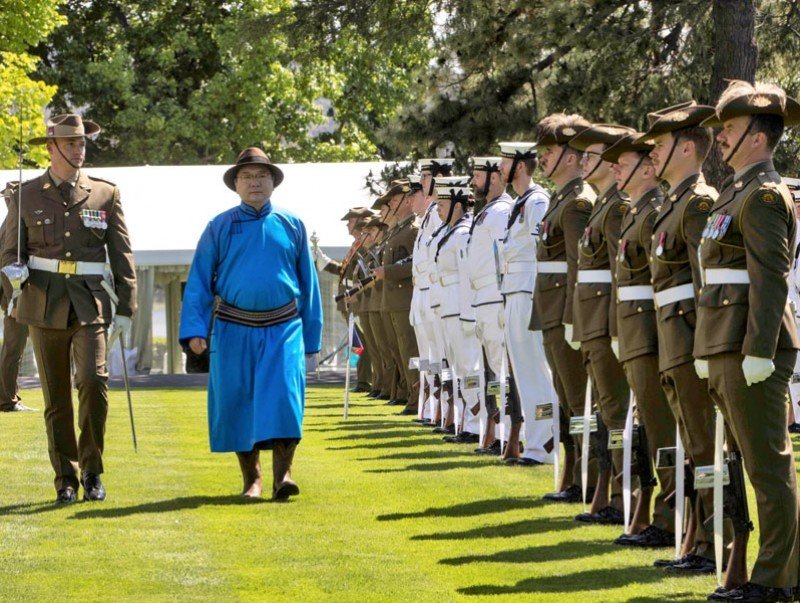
[607, 134]
[628, 143]
[252, 156]
[741, 98]
[68, 125]
[357, 212]
[677, 117]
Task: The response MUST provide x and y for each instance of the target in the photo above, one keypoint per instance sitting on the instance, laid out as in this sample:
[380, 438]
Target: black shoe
[384, 397]
[605, 516]
[374, 394]
[360, 389]
[693, 565]
[492, 449]
[408, 411]
[92, 487]
[16, 407]
[752, 592]
[570, 495]
[462, 438]
[663, 563]
[450, 429]
[651, 537]
[397, 402]
[523, 462]
[794, 428]
[66, 496]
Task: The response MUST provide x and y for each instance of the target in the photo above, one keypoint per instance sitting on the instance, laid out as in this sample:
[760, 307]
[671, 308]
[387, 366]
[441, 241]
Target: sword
[627, 441]
[587, 409]
[128, 390]
[719, 433]
[556, 444]
[350, 328]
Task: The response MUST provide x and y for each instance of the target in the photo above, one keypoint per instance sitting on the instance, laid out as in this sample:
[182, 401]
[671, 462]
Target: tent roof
[167, 207]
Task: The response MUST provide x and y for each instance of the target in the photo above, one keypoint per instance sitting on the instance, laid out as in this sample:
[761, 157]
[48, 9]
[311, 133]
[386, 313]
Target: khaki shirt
[636, 319]
[559, 233]
[398, 286]
[595, 303]
[674, 262]
[755, 231]
[54, 228]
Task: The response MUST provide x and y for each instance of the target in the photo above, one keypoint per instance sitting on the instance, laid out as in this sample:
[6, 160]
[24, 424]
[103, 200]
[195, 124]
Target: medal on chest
[545, 230]
[94, 218]
[717, 226]
[587, 235]
[662, 238]
[622, 247]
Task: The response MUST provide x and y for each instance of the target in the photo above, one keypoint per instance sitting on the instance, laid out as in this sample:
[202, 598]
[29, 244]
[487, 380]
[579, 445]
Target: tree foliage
[23, 23]
[182, 81]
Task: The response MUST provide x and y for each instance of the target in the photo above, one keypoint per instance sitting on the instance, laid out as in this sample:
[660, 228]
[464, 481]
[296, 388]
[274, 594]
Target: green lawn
[387, 513]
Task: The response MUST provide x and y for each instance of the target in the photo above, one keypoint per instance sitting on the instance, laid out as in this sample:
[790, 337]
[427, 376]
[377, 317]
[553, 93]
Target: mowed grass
[388, 512]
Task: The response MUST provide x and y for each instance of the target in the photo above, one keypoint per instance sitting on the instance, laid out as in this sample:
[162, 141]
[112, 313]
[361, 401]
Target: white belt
[726, 276]
[517, 267]
[552, 267]
[674, 294]
[594, 276]
[66, 266]
[635, 293]
[484, 281]
[448, 279]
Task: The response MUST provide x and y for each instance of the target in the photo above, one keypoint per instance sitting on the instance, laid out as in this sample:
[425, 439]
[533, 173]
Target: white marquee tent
[167, 208]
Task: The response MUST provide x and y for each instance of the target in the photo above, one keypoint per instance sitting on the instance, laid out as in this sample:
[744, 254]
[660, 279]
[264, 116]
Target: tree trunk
[735, 58]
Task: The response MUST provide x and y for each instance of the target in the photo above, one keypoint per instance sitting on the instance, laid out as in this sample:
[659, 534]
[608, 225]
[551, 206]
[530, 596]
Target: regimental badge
[703, 205]
[580, 204]
[94, 218]
[768, 198]
[760, 100]
[568, 132]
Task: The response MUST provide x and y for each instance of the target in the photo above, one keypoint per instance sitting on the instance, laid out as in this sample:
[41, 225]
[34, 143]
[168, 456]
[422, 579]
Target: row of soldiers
[571, 314]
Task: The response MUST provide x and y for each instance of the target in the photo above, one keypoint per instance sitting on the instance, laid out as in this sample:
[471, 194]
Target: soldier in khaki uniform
[346, 272]
[396, 272]
[595, 305]
[638, 336]
[680, 148]
[557, 273]
[15, 334]
[70, 222]
[746, 336]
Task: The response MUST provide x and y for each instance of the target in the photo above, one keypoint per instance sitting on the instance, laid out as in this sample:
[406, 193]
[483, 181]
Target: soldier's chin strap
[636, 167]
[740, 141]
[64, 157]
[594, 169]
[675, 138]
[558, 161]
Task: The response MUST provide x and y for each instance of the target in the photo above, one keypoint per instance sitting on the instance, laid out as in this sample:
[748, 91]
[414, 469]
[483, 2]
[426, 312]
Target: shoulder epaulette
[96, 179]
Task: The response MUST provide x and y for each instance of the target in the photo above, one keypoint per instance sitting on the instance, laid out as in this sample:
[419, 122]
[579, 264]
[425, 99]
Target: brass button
[558, 284]
[68, 254]
[652, 237]
[680, 312]
[66, 214]
[66, 276]
[651, 258]
[38, 222]
[67, 234]
[639, 309]
[725, 302]
[599, 293]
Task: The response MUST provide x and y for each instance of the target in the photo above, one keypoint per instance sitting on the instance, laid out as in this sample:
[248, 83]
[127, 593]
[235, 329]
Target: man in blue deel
[253, 273]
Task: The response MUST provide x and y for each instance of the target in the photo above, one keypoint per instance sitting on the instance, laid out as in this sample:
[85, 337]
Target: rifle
[359, 286]
[735, 506]
[643, 467]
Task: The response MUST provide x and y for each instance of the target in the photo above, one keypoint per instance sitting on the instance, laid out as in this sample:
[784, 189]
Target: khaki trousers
[15, 336]
[407, 349]
[569, 380]
[389, 375]
[659, 423]
[757, 416]
[87, 347]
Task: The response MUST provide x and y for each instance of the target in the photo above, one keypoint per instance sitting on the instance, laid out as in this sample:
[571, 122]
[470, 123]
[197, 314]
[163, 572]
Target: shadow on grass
[443, 466]
[539, 554]
[470, 509]
[410, 456]
[349, 425]
[381, 445]
[31, 508]
[509, 530]
[590, 580]
[183, 503]
[396, 433]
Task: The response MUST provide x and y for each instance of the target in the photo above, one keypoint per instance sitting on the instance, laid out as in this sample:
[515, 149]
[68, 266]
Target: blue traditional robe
[256, 261]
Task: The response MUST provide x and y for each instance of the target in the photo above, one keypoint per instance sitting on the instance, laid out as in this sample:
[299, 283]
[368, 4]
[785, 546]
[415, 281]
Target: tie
[65, 188]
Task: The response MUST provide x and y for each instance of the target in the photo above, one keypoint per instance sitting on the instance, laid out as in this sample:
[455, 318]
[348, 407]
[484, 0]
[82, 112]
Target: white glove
[757, 369]
[615, 346]
[701, 368]
[320, 259]
[121, 325]
[468, 327]
[568, 333]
